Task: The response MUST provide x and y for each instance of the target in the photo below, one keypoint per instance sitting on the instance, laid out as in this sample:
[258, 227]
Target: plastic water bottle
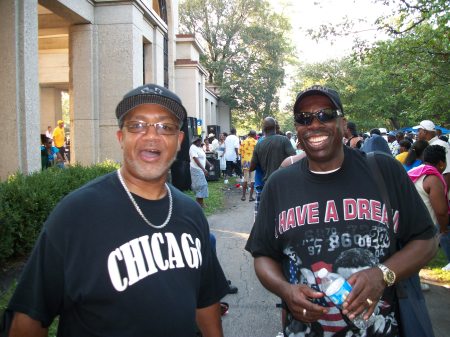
[336, 288]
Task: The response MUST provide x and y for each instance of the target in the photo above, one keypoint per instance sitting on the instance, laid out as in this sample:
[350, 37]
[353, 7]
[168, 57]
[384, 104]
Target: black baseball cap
[151, 94]
[333, 95]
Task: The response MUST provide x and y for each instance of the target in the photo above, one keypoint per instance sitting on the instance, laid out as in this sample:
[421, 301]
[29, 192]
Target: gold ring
[304, 312]
[369, 301]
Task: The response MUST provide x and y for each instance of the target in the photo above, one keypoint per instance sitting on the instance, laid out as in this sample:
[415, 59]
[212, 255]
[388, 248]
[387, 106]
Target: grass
[215, 201]
[433, 271]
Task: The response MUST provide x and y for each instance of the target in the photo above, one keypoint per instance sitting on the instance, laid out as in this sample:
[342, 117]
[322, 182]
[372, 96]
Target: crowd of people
[148, 266]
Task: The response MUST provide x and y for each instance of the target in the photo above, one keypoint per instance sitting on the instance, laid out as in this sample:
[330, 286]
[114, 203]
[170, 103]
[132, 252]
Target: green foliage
[398, 82]
[246, 50]
[407, 15]
[5, 296]
[27, 200]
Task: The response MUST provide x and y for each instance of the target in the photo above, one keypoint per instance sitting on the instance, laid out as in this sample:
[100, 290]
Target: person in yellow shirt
[246, 152]
[59, 138]
[405, 145]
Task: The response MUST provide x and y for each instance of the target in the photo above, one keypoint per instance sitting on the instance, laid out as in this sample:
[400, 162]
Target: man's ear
[180, 140]
[119, 135]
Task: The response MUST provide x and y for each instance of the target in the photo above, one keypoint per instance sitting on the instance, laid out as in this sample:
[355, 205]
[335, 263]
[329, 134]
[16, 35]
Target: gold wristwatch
[388, 275]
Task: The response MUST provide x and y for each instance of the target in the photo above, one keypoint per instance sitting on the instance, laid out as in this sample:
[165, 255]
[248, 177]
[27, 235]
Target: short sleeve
[262, 240]
[39, 293]
[193, 153]
[236, 143]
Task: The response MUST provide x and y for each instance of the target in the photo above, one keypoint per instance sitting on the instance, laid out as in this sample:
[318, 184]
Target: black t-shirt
[337, 221]
[106, 272]
[270, 153]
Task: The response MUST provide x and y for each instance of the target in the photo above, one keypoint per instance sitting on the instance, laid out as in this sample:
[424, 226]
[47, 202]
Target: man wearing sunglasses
[328, 205]
[127, 254]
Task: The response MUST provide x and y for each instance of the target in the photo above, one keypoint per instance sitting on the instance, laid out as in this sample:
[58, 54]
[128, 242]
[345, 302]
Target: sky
[307, 14]
[310, 14]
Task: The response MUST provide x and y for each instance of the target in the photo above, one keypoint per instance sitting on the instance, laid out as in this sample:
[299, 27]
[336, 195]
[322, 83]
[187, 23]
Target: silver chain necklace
[138, 209]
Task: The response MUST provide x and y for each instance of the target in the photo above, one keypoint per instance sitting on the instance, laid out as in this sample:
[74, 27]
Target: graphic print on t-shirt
[342, 237]
[147, 255]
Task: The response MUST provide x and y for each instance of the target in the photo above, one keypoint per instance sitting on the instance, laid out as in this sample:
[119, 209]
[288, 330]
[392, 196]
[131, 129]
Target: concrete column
[51, 107]
[148, 63]
[120, 59]
[83, 90]
[158, 56]
[19, 88]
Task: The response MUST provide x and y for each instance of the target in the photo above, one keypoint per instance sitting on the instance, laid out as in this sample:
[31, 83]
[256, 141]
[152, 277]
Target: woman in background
[198, 170]
[415, 155]
[432, 188]
[220, 151]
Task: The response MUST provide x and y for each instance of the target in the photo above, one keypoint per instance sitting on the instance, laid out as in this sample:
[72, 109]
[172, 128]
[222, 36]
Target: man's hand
[299, 303]
[296, 296]
[367, 288]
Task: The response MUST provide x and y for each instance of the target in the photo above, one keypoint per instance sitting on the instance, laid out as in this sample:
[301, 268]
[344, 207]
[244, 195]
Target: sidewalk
[253, 311]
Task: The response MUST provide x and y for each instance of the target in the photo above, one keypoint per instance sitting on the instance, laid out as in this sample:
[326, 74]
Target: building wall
[50, 107]
[93, 49]
[200, 101]
[97, 51]
[19, 88]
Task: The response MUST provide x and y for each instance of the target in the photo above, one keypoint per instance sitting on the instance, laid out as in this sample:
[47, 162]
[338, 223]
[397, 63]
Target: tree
[246, 50]
[400, 81]
[407, 15]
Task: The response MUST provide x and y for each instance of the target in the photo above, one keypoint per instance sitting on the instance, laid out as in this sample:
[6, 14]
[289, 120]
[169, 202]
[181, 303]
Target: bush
[27, 200]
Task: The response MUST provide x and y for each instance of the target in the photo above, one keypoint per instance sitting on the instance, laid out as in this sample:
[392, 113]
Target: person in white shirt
[293, 142]
[49, 132]
[198, 169]
[231, 154]
[213, 141]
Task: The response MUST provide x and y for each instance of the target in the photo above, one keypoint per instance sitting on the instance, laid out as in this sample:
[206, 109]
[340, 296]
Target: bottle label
[338, 292]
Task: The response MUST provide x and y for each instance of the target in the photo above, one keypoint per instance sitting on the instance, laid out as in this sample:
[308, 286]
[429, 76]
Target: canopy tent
[410, 129]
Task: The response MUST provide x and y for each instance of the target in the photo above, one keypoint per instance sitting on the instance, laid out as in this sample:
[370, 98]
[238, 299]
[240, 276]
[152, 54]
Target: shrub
[27, 200]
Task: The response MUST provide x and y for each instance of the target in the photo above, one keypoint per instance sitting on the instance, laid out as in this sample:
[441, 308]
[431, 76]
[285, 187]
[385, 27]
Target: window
[166, 61]
[160, 7]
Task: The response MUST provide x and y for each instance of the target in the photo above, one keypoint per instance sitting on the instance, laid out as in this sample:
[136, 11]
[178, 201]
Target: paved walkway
[253, 311]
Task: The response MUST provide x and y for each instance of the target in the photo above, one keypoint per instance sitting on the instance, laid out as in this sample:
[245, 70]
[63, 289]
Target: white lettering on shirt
[145, 256]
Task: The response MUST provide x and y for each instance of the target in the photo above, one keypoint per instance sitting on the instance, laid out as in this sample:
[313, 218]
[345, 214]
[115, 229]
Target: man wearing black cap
[126, 254]
[328, 203]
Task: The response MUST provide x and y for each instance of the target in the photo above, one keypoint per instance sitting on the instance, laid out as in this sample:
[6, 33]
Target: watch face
[390, 277]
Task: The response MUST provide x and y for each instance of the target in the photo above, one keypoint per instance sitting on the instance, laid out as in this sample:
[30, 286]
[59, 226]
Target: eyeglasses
[323, 116]
[163, 129]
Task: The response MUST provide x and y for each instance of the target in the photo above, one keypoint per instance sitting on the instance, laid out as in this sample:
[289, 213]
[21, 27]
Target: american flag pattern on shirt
[333, 321]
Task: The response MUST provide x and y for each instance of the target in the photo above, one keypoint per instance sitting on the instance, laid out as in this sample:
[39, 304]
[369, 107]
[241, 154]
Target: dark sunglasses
[323, 116]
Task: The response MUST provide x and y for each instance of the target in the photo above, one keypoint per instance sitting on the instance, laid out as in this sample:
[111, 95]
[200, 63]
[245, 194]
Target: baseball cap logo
[152, 90]
[318, 87]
